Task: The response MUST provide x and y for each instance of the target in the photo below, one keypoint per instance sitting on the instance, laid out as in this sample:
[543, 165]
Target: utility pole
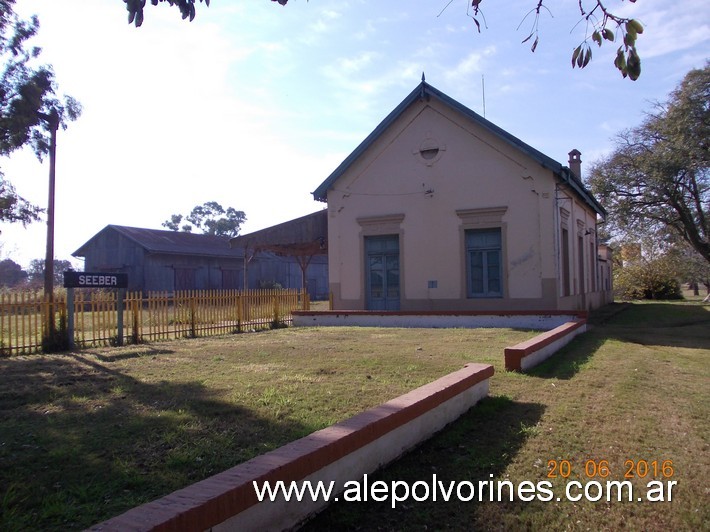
[53, 122]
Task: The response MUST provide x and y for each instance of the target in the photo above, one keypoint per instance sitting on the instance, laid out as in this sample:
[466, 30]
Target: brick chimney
[575, 163]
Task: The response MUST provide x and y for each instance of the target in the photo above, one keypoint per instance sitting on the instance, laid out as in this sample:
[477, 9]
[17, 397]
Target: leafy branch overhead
[598, 20]
[601, 25]
[135, 9]
[627, 60]
[29, 105]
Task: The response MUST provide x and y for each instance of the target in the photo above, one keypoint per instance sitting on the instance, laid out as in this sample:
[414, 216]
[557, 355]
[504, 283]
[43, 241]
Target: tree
[211, 218]
[646, 268]
[36, 272]
[28, 103]
[693, 269]
[655, 278]
[14, 208]
[658, 177]
[11, 274]
[600, 23]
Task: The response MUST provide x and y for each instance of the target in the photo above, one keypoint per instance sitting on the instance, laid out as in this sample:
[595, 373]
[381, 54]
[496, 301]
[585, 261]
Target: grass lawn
[87, 435]
[636, 387]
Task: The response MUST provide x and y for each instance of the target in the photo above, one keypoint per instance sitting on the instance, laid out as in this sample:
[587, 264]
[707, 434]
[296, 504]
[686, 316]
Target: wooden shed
[304, 240]
[159, 260]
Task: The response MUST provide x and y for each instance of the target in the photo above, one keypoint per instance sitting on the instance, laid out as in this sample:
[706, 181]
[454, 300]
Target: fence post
[136, 305]
[276, 311]
[119, 317]
[70, 318]
[193, 322]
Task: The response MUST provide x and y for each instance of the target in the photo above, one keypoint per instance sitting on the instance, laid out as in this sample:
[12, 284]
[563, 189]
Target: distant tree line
[12, 275]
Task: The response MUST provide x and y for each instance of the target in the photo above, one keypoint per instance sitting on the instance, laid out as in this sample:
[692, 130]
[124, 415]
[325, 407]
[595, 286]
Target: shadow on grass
[82, 442]
[127, 354]
[684, 325]
[648, 324]
[479, 444]
[569, 360]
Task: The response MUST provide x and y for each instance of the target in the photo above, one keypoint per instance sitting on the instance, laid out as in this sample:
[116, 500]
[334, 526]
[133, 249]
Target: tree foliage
[647, 268]
[29, 104]
[14, 208]
[35, 272]
[11, 274]
[602, 25]
[693, 269]
[657, 180]
[211, 218]
[135, 9]
[655, 278]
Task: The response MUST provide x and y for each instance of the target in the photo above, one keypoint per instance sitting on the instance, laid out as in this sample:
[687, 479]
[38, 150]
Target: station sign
[95, 280]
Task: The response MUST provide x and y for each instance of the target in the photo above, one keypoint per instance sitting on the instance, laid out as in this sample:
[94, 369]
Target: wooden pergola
[302, 238]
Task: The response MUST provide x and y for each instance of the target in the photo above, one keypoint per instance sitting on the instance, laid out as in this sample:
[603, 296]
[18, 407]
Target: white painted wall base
[536, 321]
[285, 515]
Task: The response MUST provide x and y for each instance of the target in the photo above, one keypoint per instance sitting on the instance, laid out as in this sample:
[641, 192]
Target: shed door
[382, 272]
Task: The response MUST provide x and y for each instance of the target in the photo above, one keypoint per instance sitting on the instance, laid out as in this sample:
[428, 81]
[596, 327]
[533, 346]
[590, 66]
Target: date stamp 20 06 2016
[654, 472]
[601, 469]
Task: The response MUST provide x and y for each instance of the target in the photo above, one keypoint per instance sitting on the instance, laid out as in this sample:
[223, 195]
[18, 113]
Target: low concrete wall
[342, 452]
[530, 353]
[543, 320]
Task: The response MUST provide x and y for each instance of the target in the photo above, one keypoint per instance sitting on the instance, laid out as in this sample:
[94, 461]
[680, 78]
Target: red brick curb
[216, 499]
[514, 355]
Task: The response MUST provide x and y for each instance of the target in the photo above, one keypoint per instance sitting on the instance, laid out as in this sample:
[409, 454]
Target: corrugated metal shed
[304, 236]
[159, 260]
[171, 242]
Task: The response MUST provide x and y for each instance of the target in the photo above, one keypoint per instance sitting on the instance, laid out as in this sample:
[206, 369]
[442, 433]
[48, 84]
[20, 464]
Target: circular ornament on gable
[429, 151]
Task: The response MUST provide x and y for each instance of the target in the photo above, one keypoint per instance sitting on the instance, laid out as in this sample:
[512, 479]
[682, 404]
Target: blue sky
[253, 104]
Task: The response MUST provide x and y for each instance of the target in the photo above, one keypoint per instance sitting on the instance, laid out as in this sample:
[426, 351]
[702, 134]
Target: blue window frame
[484, 262]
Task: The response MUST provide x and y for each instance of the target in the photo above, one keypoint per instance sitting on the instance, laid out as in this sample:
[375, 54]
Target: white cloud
[471, 64]
[366, 31]
[330, 14]
[358, 63]
[325, 24]
[670, 26]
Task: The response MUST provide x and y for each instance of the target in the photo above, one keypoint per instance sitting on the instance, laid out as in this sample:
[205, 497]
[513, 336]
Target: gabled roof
[170, 242]
[424, 91]
[307, 235]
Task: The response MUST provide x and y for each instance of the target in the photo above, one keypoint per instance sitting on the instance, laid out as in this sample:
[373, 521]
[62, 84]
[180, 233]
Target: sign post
[74, 280]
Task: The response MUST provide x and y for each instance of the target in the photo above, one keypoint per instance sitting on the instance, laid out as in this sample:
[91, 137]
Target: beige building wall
[429, 177]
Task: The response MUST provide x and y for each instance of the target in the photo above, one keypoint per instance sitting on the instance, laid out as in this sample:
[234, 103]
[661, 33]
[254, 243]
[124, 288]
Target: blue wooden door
[382, 272]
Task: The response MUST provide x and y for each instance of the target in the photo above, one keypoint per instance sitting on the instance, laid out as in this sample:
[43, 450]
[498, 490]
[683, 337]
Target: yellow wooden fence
[31, 323]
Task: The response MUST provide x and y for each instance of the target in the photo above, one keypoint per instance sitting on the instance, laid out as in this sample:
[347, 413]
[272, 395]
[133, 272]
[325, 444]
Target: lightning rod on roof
[423, 95]
[483, 89]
